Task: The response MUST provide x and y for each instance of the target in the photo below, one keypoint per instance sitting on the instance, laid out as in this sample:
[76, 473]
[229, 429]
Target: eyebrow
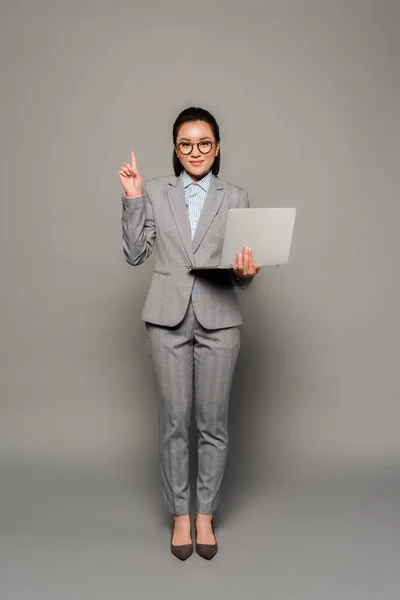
[207, 137]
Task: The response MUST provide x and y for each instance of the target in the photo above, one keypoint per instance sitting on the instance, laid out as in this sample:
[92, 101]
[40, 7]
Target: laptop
[267, 231]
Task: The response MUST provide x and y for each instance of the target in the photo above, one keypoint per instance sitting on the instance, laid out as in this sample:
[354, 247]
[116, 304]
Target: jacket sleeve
[242, 284]
[138, 229]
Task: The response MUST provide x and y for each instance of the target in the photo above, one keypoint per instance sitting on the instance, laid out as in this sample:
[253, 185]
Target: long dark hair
[195, 113]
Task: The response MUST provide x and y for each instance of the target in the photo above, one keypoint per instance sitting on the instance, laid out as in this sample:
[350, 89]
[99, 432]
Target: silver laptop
[267, 231]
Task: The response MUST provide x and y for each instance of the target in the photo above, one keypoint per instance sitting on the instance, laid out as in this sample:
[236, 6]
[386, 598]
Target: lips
[196, 163]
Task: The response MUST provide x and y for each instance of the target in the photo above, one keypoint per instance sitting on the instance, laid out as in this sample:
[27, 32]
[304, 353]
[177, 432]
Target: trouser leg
[215, 355]
[171, 354]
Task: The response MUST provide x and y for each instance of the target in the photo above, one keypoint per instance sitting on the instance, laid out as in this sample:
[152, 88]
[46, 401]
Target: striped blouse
[195, 194]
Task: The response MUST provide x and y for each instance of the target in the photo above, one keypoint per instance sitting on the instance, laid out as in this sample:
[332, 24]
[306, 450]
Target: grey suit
[162, 211]
[192, 324]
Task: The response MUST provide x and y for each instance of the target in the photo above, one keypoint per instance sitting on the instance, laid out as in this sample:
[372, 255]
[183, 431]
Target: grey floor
[81, 534]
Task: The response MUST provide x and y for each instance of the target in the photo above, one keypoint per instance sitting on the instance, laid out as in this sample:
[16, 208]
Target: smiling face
[196, 164]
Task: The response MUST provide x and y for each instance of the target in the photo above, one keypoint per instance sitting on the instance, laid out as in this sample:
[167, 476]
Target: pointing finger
[133, 158]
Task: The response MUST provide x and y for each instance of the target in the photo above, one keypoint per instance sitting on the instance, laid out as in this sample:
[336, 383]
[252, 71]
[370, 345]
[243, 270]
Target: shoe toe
[207, 551]
[182, 552]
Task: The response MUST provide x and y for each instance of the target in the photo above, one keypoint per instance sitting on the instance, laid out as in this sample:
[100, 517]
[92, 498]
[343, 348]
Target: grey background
[307, 97]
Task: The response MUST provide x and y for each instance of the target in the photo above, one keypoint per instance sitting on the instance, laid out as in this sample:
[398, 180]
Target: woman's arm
[239, 282]
[138, 229]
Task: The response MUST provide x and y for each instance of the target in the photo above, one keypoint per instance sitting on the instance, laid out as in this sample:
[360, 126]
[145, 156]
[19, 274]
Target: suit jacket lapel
[211, 206]
[176, 197]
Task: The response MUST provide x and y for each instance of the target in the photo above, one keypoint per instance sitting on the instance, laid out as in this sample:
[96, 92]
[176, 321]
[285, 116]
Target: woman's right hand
[130, 178]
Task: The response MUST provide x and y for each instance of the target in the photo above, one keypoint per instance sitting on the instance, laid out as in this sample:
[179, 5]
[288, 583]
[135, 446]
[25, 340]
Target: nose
[195, 153]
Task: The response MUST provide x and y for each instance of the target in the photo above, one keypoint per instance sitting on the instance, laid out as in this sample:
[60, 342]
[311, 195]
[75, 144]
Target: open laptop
[267, 231]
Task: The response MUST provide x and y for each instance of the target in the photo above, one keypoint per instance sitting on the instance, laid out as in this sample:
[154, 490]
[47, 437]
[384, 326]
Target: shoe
[207, 551]
[183, 551]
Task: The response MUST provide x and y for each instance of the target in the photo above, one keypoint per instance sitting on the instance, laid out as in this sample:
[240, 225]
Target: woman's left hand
[244, 266]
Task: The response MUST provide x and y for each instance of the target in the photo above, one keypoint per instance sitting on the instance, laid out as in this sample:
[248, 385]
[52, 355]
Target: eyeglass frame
[195, 144]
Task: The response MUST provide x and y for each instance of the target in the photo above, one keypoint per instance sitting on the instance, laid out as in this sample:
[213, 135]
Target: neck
[197, 177]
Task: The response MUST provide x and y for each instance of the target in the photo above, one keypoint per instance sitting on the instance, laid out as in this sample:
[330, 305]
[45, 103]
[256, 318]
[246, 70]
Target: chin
[197, 173]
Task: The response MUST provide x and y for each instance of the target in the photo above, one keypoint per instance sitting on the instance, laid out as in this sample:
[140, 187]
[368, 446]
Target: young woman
[192, 321]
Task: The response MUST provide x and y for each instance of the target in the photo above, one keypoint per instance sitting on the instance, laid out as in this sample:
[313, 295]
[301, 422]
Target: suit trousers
[192, 364]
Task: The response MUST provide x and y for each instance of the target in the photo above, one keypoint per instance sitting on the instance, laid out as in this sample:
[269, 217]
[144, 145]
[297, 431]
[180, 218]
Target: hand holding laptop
[244, 266]
[268, 231]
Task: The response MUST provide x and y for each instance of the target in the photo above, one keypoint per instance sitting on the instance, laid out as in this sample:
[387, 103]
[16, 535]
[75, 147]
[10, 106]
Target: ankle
[204, 517]
[181, 518]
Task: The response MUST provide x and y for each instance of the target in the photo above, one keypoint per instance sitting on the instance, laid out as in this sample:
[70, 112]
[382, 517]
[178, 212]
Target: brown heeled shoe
[183, 551]
[207, 551]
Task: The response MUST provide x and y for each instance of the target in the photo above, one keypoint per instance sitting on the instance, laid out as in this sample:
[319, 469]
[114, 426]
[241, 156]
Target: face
[196, 164]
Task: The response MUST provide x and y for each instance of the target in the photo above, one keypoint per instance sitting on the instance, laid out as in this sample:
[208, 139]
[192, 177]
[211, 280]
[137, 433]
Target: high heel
[182, 551]
[207, 551]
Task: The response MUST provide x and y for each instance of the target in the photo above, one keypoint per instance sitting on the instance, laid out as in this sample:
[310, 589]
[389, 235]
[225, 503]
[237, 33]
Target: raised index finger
[133, 157]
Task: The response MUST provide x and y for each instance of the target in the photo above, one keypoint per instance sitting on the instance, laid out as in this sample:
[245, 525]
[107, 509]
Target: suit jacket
[159, 218]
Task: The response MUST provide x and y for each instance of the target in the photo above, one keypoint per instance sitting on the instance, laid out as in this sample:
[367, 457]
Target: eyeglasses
[204, 147]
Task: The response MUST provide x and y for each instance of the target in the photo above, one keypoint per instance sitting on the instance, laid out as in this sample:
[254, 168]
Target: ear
[217, 149]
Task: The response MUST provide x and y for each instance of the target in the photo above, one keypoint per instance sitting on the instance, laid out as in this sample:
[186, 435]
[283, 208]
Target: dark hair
[194, 113]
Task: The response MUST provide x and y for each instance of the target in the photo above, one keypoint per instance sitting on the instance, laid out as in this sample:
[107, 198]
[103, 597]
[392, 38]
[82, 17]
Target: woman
[192, 321]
